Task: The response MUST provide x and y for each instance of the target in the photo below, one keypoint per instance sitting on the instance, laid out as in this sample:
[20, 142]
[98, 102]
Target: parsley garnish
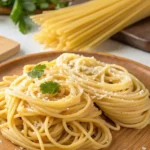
[40, 67]
[37, 71]
[22, 9]
[49, 87]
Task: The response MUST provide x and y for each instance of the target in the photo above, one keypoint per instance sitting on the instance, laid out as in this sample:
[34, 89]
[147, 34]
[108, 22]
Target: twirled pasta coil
[39, 121]
[122, 97]
[74, 117]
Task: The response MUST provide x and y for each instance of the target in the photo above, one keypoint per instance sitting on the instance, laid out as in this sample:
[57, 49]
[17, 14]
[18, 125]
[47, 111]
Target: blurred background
[132, 42]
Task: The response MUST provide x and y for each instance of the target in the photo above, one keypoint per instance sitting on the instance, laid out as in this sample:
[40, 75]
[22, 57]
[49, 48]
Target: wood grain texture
[7, 10]
[125, 139]
[8, 48]
[137, 35]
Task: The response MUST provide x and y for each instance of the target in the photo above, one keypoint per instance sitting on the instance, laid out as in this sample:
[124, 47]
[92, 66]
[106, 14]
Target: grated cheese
[144, 148]
[37, 125]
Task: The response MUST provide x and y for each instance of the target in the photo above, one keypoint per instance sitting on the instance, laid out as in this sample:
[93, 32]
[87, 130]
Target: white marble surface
[28, 45]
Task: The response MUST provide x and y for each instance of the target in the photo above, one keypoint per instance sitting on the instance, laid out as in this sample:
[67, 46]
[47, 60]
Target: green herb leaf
[37, 71]
[6, 2]
[28, 5]
[59, 4]
[21, 9]
[55, 1]
[49, 87]
[35, 74]
[39, 67]
[16, 11]
[25, 24]
[62, 5]
[44, 5]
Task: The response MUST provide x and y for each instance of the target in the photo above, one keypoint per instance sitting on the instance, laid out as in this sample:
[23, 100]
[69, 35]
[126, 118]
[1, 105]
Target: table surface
[28, 45]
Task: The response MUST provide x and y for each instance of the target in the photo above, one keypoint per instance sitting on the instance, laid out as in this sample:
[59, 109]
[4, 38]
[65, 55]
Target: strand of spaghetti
[135, 15]
[36, 132]
[83, 17]
[102, 26]
[90, 18]
[63, 103]
[92, 4]
[76, 117]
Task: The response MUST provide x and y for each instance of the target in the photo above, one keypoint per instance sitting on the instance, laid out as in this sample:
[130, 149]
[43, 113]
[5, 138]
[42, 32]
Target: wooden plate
[125, 139]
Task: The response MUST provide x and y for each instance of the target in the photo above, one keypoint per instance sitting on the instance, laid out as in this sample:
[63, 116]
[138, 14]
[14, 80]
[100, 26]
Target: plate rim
[60, 52]
[100, 54]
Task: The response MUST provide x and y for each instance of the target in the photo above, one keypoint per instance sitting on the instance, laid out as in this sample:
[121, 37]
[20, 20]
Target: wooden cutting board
[125, 139]
[137, 35]
[8, 48]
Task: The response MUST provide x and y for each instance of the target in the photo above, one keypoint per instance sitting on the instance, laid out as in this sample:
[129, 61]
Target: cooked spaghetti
[84, 26]
[62, 104]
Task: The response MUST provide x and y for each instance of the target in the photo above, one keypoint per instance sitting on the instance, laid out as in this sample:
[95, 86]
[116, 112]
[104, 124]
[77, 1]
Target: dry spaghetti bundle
[84, 26]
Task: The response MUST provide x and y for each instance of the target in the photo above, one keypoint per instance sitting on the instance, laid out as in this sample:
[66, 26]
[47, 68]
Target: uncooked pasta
[84, 26]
